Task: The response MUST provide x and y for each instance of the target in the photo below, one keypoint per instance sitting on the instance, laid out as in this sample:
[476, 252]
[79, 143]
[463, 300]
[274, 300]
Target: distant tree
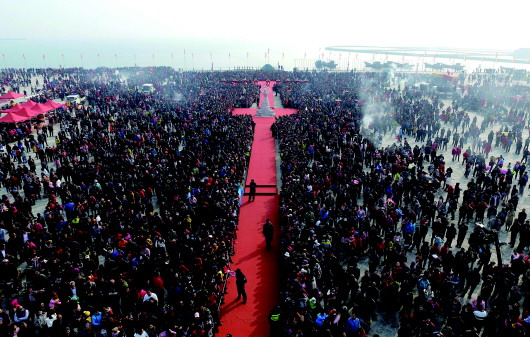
[319, 64]
[267, 67]
[331, 65]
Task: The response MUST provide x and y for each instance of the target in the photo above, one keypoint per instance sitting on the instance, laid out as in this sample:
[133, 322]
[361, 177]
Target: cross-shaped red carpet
[260, 265]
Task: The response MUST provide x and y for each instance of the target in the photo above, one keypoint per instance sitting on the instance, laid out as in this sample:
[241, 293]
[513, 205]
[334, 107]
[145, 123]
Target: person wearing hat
[241, 280]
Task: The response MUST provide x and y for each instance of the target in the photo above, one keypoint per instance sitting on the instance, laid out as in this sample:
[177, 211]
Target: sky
[414, 23]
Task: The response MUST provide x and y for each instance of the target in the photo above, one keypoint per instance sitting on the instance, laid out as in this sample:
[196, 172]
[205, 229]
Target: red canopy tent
[14, 108]
[11, 95]
[13, 118]
[54, 105]
[39, 109]
[29, 104]
[26, 113]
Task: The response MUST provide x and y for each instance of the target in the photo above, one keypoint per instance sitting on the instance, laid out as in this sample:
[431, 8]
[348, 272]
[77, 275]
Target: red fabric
[13, 118]
[14, 108]
[259, 265]
[53, 105]
[29, 104]
[40, 109]
[11, 95]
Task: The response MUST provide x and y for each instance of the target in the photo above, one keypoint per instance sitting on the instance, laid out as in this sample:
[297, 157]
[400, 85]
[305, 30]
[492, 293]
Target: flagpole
[247, 59]
[228, 61]
[82, 64]
[4, 57]
[116, 59]
[62, 57]
[44, 61]
[186, 67]
[135, 59]
[172, 63]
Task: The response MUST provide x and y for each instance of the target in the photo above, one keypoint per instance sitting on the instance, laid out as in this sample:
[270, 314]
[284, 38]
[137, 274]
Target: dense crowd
[372, 230]
[142, 204]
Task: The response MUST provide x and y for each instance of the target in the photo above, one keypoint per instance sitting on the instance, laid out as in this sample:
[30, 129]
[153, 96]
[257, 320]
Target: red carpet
[259, 265]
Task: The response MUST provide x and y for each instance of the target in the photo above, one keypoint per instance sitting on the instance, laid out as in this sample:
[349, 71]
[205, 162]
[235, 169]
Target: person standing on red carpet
[268, 232]
[252, 191]
[241, 280]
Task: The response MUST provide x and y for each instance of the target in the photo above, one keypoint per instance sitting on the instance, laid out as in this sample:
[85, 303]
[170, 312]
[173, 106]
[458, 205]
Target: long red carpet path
[259, 265]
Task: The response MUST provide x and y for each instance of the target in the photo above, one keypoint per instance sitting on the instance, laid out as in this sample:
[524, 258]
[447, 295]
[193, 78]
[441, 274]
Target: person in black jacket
[241, 280]
[252, 191]
[450, 235]
[268, 232]
[472, 281]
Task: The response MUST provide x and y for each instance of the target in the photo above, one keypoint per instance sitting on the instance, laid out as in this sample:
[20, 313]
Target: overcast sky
[448, 23]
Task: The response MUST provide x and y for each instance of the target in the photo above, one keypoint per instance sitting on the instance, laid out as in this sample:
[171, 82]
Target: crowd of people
[375, 233]
[141, 205]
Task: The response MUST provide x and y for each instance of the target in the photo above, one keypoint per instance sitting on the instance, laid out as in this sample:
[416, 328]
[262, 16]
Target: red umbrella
[13, 118]
[11, 95]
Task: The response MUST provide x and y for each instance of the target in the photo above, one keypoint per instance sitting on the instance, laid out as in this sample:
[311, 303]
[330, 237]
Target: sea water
[196, 54]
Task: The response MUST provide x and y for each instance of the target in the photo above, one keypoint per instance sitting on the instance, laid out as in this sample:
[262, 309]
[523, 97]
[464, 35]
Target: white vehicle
[75, 99]
[148, 88]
